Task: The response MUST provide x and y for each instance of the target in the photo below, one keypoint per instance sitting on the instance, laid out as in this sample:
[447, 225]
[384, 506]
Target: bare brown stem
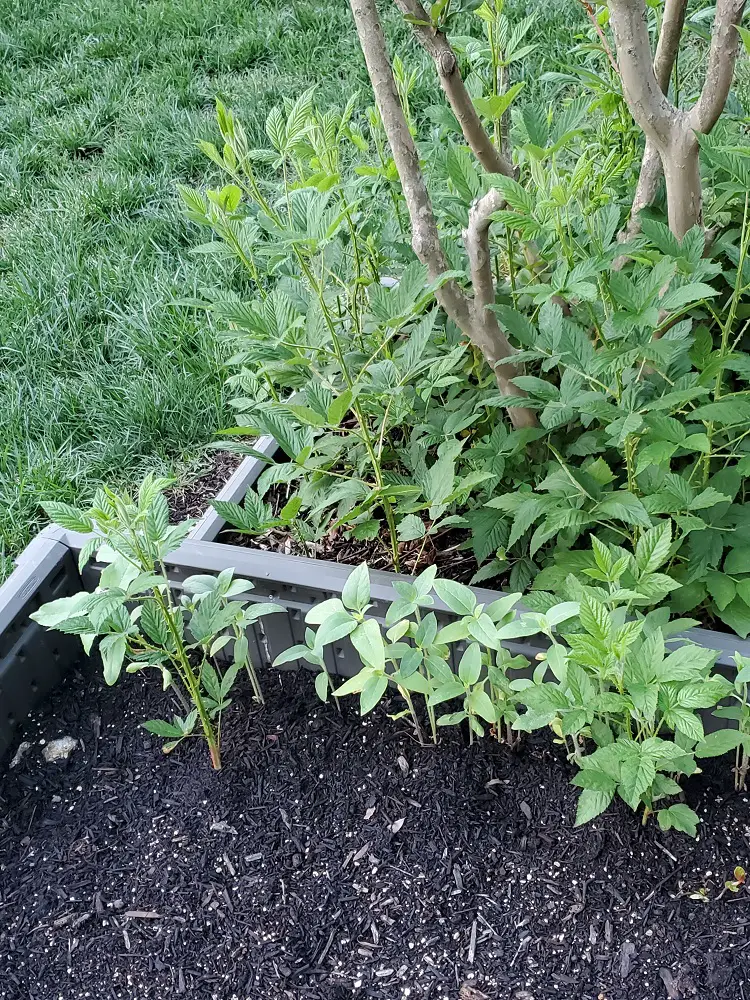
[669, 130]
[441, 52]
[470, 318]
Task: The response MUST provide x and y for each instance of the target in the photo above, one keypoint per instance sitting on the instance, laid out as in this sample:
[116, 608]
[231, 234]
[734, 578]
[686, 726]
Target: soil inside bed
[334, 857]
[193, 497]
[450, 550]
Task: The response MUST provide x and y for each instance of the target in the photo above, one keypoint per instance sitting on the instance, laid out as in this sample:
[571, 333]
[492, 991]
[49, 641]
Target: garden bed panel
[33, 661]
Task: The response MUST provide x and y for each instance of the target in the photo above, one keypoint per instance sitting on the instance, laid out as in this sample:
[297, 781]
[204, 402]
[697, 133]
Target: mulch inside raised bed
[449, 550]
[193, 498]
[333, 858]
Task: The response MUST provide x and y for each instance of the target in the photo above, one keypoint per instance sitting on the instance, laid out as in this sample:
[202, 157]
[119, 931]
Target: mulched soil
[449, 550]
[335, 858]
[193, 497]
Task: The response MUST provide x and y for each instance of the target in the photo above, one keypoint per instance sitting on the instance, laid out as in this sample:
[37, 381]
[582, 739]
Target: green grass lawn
[101, 104]
[102, 376]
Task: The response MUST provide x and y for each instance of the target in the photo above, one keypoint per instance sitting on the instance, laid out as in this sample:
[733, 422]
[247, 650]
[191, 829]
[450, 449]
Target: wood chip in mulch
[334, 858]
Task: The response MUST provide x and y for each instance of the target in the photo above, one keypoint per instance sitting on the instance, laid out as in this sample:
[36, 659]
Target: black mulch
[335, 858]
[449, 550]
[192, 498]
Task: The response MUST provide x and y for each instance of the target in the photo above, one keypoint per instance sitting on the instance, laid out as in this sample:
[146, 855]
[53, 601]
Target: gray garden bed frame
[33, 660]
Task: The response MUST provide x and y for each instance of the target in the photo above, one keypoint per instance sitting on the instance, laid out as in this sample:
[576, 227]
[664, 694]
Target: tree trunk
[682, 174]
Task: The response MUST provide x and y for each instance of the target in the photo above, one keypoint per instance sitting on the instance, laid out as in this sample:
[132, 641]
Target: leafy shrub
[138, 623]
[608, 680]
[391, 424]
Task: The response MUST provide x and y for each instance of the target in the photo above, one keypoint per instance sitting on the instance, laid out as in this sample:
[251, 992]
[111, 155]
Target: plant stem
[415, 718]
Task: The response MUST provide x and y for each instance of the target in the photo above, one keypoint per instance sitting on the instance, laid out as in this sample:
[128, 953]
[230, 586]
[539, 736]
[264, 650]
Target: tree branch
[651, 170]
[487, 335]
[472, 318]
[669, 41]
[650, 107]
[440, 50]
[425, 237]
[720, 68]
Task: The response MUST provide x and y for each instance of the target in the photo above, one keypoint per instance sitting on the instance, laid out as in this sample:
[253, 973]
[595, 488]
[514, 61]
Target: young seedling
[723, 741]
[139, 623]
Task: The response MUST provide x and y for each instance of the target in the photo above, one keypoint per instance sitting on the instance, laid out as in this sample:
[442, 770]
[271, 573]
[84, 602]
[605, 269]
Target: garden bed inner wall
[33, 661]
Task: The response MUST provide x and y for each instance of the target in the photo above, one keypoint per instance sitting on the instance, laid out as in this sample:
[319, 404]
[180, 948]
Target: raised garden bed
[47, 569]
[289, 875]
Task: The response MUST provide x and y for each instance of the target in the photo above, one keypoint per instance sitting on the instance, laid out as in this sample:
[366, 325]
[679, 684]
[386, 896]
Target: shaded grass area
[101, 104]
[102, 375]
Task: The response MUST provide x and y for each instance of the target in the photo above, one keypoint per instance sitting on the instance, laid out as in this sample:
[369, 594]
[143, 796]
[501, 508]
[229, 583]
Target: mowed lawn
[102, 376]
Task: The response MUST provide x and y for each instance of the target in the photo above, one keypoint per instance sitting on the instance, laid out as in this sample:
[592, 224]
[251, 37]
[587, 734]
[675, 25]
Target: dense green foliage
[140, 627]
[391, 423]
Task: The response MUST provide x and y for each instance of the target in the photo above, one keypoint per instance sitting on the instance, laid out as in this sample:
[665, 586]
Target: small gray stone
[18, 756]
[59, 749]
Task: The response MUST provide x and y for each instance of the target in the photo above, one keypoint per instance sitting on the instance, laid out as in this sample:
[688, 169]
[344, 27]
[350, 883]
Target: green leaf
[595, 619]
[453, 632]
[738, 560]
[626, 507]
[484, 631]
[157, 518]
[447, 691]
[372, 692]
[470, 665]
[354, 684]
[356, 592]
[591, 804]
[298, 652]
[679, 817]
[480, 704]
[368, 641]
[318, 614]
[68, 516]
[366, 530]
[637, 771]
[456, 596]
[154, 624]
[160, 728]
[737, 616]
[321, 685]
[653, 547]
[597, 781]
[335, 627]
[55, 612]
[338, 409]
[112, 649]
[721, 587]
[410, 527]
[495, 107]
[718, 743]
[686, 722]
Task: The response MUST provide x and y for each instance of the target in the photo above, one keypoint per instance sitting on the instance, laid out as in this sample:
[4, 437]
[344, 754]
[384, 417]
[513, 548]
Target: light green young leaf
[456, 596]
[368, 641]
[356, 592]
[679, 817]
[470, 665]
[112, 649]
[318, 614]
[372, 692]
[653, 547]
